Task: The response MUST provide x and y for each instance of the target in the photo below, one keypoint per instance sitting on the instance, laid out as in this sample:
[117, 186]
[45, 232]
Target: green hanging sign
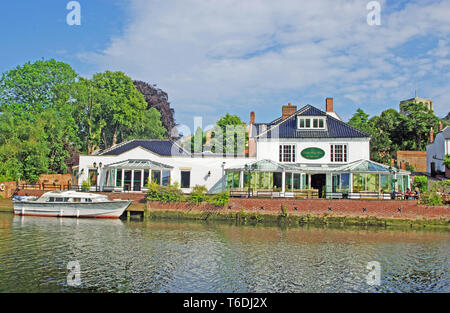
[312, 153]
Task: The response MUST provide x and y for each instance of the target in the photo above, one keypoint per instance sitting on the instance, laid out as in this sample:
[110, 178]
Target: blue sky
[237, 56]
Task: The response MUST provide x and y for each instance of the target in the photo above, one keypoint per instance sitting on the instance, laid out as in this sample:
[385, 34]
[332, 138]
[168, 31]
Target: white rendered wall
[199, 167]
[439, 148]
[357, 149]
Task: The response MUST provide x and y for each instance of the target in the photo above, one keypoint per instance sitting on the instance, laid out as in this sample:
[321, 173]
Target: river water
[174, 256]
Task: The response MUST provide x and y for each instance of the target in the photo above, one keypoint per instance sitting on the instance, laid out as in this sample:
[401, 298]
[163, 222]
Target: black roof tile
[161, 147]
[335, 128]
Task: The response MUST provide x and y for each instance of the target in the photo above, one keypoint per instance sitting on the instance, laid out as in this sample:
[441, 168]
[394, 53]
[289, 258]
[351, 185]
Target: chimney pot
[252, 118]
[431, 135]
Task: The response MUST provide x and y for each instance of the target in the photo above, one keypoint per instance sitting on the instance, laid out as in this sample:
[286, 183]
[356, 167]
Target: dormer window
[311, 122]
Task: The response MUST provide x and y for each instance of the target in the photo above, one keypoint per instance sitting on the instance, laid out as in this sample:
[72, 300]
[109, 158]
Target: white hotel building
[303, 149]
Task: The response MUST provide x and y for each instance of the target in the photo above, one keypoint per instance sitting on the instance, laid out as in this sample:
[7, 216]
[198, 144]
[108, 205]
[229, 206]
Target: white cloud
[241, 55]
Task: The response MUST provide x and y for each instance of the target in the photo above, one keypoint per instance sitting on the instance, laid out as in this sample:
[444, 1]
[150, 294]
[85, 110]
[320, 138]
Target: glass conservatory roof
[361, 166]
[139, 164]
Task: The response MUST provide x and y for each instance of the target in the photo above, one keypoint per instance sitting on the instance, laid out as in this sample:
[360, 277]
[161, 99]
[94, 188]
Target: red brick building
[418, 159]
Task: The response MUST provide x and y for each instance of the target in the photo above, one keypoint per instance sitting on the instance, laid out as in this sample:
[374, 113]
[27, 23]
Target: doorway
[318, 181]
[277, 180]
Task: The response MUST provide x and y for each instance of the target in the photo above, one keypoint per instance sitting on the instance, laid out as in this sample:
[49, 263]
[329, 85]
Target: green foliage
[167, 194]
[219, 135]
[447, 160]
[219, 199]
[392, 131]
[410, 168]
[442, 185]
[420, 182]
[430, 198]
[37, 128]
[198, 141]
[284, 211]
[198, 194]
[85, 185]
[48, 114]
[34, 87]
[111, 110]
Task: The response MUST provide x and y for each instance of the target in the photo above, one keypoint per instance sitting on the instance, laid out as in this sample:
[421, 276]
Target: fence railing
[315, 194]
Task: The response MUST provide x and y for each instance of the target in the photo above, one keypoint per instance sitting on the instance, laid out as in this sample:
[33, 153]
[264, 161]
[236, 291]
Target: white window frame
[343, 152]
[287, 153]
[311, 120]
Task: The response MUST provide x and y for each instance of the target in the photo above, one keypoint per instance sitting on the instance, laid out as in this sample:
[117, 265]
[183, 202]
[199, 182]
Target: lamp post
[246, 169]
[96, 173]
[394, 180]
[223, 175]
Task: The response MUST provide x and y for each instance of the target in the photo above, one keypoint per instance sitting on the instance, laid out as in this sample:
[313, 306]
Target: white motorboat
[72, 204]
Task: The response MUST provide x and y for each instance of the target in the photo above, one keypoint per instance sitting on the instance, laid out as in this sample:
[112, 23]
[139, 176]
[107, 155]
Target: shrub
[85, 185]
[430, 198]
[410, 168]
[198, 194]
[284, 211]
[421, 182]
[170, 193]
[219, 199]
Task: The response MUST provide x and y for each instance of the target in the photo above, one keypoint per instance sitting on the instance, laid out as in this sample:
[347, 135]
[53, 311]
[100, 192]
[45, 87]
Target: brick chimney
[329, 104]
[288, 110]
[431, 135]
[252, 118]
[251, 148]
[441, 126]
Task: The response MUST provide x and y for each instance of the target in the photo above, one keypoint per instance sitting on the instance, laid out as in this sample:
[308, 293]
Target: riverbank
[296, 212]
[316, 212]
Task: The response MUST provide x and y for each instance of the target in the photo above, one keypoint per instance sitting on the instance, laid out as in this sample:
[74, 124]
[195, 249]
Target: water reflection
[169, 256]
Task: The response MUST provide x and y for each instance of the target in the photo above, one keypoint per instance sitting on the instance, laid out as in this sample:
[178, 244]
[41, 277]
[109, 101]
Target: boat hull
[111, 209]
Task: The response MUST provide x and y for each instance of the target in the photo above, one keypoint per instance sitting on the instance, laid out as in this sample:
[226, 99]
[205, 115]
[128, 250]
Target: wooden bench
[264, 193]
[239, 192]
[370, 195]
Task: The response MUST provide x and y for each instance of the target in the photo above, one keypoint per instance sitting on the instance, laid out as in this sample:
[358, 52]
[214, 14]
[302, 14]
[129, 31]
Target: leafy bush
[85, 185]
[171, 193]
[219, 199]
[447, 160]
[430, 198]
[198, 194]
[284, 211]
[421, 182]
[410, 168]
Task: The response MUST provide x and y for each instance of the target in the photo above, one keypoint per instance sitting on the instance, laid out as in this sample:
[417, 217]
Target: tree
[417, 124]
[24, 151]
[33, 87]
[88, 101]
[37, 111]
[123, 109]
[230, 126]
[447, 161]
[158, 99]
[360, 120]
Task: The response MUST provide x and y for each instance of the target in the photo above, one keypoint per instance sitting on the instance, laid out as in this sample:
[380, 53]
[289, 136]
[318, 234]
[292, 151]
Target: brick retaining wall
[339, 207]
[409, 209]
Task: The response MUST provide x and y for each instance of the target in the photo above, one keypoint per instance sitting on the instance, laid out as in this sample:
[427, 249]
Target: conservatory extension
[356, 180]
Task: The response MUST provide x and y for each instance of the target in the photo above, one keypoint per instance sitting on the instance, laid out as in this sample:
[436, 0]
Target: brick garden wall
[10, 187]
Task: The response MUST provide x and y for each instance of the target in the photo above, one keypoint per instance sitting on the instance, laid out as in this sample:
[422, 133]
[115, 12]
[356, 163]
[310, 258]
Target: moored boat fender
[2, 187]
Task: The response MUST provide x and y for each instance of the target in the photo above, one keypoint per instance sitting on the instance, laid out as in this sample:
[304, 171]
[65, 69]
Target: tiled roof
[161, 147]
[335, 128]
